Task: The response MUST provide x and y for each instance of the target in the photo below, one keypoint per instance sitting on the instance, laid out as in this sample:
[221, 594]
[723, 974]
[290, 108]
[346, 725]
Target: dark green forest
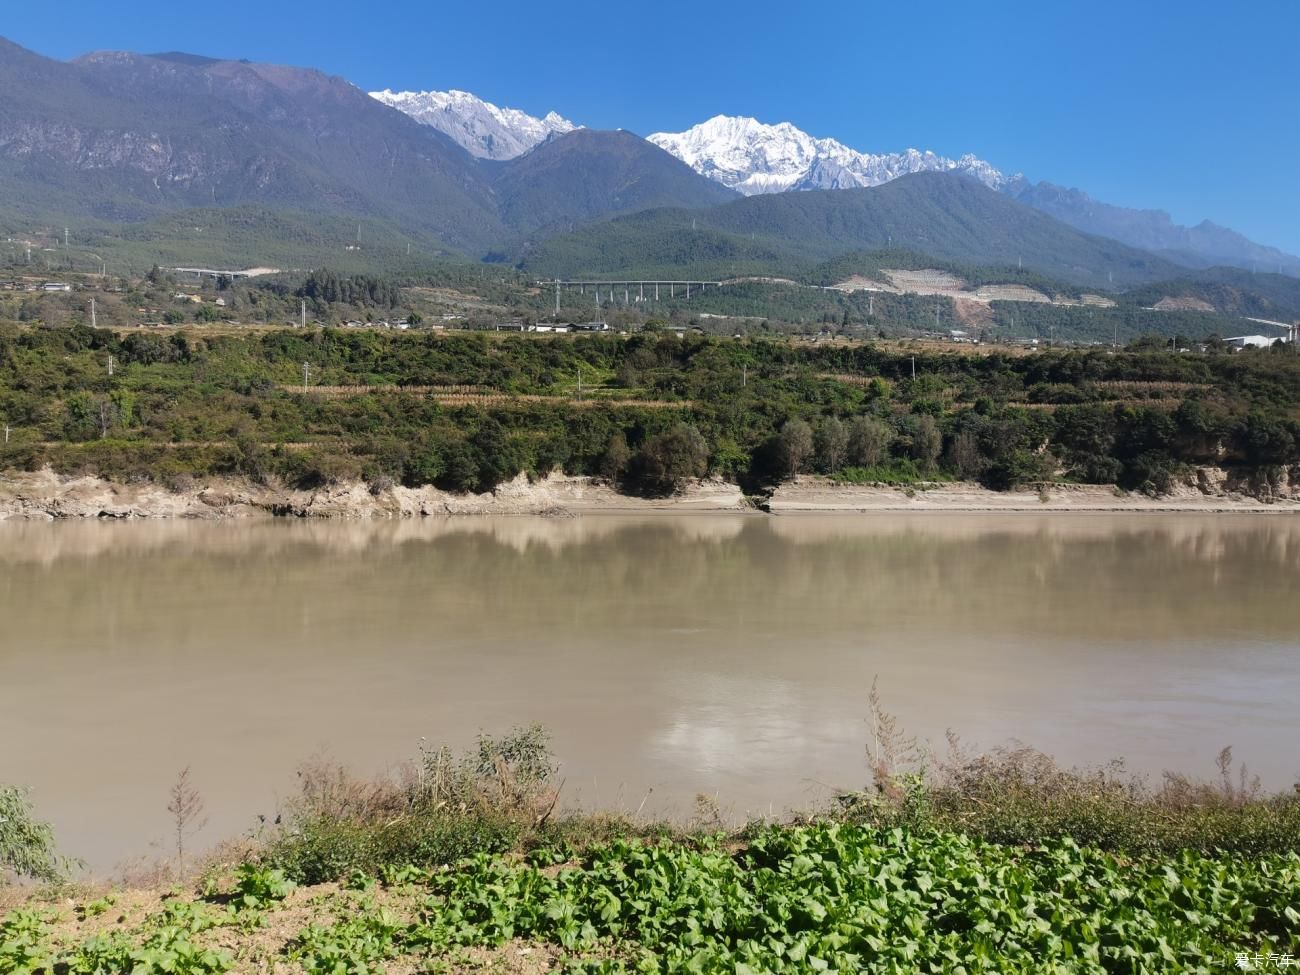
[656, 409]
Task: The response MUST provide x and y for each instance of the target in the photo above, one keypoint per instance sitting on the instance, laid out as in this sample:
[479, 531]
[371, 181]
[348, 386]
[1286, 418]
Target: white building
[1252, 341]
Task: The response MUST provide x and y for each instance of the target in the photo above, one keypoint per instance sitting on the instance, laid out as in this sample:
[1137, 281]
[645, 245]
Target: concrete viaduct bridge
[633, 292]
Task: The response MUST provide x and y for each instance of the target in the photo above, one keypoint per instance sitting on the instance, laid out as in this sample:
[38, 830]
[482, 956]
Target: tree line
[667, 409]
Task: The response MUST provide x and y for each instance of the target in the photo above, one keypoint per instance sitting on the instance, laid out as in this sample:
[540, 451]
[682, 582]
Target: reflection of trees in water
[1138, 577]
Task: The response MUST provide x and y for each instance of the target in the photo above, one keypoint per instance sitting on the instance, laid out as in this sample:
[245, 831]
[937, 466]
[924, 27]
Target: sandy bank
[1207, 491]
[45, 496]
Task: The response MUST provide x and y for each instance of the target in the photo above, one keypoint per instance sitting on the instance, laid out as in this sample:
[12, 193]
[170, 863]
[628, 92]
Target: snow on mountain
[752, 157]
[481, 128]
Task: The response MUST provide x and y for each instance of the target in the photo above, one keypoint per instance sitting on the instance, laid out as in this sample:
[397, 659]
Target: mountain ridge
[1204, 244]
[946, 215]
[588, 175]
[481, 128]
[125, 137]
[132, 138]
[753, 157]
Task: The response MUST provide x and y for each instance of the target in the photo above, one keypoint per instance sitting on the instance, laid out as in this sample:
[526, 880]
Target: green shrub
[451, 806]
[26, 843]
[902, 471]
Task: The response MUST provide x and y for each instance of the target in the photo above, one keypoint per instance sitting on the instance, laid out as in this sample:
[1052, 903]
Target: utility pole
[557, 299]
[913, 367]
[6, 433]
[65, 238]
[579, 382]
[306, 375]
[93, 321]
[871, 306]
[302, 313]
[110, 366]
[744, 374]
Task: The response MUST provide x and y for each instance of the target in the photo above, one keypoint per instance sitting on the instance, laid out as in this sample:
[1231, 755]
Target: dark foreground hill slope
[940, 214]
[586, 175]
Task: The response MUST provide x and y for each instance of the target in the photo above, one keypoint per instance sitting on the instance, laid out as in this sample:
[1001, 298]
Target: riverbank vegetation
[650, 411]
[994, 863]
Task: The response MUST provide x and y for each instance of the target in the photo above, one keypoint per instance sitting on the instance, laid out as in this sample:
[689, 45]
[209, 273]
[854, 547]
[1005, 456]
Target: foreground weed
[354, 946]
[23, 946]
[256, 887]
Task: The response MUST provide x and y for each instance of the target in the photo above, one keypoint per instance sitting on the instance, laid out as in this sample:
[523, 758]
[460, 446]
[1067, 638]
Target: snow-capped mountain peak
[478, 126]
[753, 157]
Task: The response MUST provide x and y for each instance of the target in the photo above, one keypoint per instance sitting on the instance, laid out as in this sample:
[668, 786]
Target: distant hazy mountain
[478, 126]
[944, 215]
[1204, 245]
[754, 158]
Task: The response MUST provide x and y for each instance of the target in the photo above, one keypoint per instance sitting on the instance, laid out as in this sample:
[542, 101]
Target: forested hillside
[469, 411]
[943, 215]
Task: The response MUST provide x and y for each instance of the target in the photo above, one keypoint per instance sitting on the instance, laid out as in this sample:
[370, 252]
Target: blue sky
[1192, 107]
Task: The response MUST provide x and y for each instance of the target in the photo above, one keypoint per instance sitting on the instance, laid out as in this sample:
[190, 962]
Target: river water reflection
[728, 654]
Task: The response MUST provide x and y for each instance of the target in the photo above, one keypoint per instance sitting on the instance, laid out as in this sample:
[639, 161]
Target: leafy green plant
[355, 945]
[98, 906]
[847, 898]
[256, 886]
[23, 946]
[167, 947]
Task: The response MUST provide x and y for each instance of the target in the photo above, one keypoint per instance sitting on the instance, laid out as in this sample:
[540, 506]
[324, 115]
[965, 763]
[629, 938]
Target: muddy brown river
[668, 655]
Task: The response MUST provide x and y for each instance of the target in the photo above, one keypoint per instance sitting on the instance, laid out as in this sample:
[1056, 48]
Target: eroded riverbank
[46, 496]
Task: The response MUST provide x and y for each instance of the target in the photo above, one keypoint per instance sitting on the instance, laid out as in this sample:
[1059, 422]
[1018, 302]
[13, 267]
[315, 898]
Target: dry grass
[1019, 795]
